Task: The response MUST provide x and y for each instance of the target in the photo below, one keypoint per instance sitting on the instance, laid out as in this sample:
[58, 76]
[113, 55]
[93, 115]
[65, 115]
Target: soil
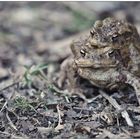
[34, 41]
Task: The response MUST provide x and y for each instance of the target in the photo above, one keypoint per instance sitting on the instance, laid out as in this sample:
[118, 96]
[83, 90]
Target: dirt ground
[34, 41]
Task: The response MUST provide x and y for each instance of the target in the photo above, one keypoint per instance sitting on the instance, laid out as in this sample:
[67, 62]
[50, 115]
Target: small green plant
[33, 71]
[37, 70]
[22, 103]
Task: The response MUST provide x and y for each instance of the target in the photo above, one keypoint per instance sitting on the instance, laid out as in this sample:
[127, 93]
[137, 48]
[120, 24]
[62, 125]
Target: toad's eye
[83, 53]
[92, 33]
[115, 39]
[111, 53]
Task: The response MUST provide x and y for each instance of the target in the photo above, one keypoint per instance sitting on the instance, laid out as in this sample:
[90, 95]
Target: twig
[59, 115]
[124, 113]
[93, 99]
[3, 106]
[1, 99]
[10, 122]
[59, 126]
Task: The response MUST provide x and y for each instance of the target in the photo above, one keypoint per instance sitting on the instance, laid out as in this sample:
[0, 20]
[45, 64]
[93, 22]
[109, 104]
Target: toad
[108, 57]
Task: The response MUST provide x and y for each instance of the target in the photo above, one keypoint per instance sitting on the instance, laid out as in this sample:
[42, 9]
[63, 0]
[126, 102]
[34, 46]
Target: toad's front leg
[68, 71]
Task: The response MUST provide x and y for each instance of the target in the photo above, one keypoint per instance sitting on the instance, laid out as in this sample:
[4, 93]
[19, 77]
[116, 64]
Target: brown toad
[108, 57]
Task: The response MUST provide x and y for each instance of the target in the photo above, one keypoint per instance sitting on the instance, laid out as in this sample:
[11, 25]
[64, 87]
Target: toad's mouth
[87, 63]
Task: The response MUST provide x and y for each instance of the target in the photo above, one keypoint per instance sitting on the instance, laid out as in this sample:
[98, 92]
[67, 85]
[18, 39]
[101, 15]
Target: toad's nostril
[94, 46]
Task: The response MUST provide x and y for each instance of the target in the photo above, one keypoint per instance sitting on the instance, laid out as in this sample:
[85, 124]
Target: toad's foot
[134, 82]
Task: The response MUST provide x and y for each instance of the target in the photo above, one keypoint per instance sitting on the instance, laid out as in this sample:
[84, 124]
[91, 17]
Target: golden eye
[83, 53]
